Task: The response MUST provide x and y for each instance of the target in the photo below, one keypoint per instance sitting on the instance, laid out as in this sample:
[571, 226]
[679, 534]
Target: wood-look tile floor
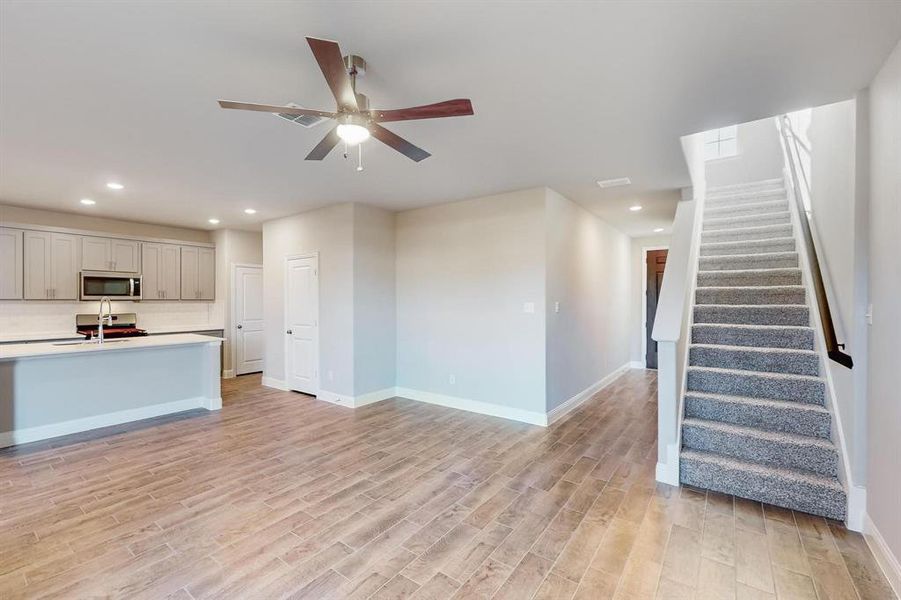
[280, 495]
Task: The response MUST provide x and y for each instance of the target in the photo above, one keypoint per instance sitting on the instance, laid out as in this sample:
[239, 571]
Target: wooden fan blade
[271, 108]
[449, 108]
[328, 55]
[398, 143]
[325, 146]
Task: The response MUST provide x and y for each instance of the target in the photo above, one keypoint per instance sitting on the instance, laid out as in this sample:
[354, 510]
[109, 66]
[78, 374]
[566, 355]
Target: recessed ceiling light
[115, 186]
[214, 221]
[605, 183]
[87, 202]
[635, 208]
[250, 211]
[658, 230]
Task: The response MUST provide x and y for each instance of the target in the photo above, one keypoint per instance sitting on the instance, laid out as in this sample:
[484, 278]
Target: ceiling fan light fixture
[352, 133]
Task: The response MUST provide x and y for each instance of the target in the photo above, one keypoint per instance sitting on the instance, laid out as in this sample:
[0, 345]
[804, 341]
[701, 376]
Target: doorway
[655, 263]
[302, 324]
[247, 301]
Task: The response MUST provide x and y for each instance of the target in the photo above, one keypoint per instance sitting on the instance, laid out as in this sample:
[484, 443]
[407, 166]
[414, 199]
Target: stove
[124, 326]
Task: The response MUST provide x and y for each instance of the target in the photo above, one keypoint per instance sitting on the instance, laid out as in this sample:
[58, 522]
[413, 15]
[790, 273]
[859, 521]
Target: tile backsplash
[39, 317]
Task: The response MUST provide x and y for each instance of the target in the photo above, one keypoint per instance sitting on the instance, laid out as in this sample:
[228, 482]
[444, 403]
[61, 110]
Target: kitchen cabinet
[198, 273]
[161, 270]
[110, 254]
[11, 263]
[50, 266]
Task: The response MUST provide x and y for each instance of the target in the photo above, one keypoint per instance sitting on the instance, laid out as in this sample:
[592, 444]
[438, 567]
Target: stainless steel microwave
[94, 285]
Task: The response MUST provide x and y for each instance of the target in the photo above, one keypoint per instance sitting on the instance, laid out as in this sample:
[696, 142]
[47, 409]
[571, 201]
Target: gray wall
[883, 491]
[759, 156]
[375, 326]
[328, 231]
[464, 272]
[588, 273]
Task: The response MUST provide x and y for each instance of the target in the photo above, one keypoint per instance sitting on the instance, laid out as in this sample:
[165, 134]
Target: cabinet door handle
[240, 326]
[289, 332]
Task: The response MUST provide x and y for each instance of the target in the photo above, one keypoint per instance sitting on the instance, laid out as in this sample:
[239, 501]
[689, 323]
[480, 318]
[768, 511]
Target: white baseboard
[585, 394]
[333, 398]
[475, 406]
[45, 432]
[668, 472]
[637, 364]
[887, 561]
[373, 397]
[228, 374]
[857, 508]
[274, 383]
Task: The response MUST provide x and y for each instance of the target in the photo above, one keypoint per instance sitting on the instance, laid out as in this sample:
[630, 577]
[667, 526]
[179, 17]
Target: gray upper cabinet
[110, 254]
[161, 270]
[11, 263]
[50, 266]
[198, 273]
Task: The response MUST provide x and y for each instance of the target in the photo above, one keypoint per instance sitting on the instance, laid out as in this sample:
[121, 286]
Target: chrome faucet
[101, 318]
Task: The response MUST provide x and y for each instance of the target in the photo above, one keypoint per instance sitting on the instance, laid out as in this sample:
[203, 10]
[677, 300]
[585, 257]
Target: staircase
[755, 423]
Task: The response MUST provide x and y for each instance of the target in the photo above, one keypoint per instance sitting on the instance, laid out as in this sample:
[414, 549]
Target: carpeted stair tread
[757, 384]
[775, 182]
[749, 208]
[752, 314]
[762, 336]
[751, 358]
[743, 222]
[762, 413]
[759, 295]
[750, 277]
[762, 232]
[772, 448]
[748, 262]
[788, 488]
[748, 247]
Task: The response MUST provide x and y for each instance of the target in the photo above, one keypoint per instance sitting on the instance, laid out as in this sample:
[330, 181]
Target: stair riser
[816, 459]
[799, 339]
[750, 295]
[757, 386]
[765, 487]
[743, 222]
[746, 235]
[784, 419]
[761, 278]
[783, 260]
[750, 208]
[752, 247]
[759, 194]
[753, 315]
[791, 363]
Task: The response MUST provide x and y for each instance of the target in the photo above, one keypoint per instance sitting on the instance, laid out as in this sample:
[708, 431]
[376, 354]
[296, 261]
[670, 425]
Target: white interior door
[302, 324]
[248, 301]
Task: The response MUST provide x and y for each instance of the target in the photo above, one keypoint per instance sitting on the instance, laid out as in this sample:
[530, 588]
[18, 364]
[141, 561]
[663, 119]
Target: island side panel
[45, 397]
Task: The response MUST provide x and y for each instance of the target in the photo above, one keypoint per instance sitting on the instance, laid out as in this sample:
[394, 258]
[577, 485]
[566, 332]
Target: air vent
[305, 120]
[605, 183]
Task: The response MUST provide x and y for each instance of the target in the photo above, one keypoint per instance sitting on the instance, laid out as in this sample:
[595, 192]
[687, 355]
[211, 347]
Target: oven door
[97, 284]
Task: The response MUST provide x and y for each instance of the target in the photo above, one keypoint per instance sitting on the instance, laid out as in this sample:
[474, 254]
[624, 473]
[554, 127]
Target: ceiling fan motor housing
[355, 65]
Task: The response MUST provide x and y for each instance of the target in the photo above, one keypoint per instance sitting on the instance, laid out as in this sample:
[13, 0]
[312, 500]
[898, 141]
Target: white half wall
[588, 285]
[471, 300]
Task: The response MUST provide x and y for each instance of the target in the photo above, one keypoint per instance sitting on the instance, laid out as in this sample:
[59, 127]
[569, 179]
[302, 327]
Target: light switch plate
[528, 307]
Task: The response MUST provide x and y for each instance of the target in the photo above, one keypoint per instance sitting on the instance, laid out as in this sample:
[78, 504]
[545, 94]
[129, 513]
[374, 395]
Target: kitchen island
[58, 388]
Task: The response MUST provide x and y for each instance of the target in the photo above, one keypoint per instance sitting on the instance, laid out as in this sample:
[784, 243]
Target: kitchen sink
[88, 342]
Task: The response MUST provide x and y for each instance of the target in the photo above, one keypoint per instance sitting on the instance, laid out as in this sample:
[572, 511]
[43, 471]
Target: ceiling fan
[355, 121]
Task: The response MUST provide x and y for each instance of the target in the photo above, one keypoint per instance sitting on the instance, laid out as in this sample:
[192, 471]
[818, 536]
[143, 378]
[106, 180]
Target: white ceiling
[564, 93]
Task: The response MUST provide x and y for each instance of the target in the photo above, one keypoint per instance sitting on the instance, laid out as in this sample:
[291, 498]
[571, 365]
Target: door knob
[240, 327]
[289, 332]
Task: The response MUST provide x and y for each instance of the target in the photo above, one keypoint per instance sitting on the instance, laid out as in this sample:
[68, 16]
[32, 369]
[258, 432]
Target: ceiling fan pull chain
[360, 159]
[345, 148]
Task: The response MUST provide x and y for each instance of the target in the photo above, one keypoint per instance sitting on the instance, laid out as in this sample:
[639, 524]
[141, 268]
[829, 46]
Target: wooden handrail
[834, 349]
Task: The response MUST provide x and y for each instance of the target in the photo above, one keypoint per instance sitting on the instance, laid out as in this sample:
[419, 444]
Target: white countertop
[40, 335]
[51, 349]
[184, 329]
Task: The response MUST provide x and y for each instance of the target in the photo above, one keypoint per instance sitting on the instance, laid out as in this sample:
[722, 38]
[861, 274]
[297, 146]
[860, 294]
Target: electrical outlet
[452, 379]
[331, 375]
[528, 307]
[869, 314]
[556, 307]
